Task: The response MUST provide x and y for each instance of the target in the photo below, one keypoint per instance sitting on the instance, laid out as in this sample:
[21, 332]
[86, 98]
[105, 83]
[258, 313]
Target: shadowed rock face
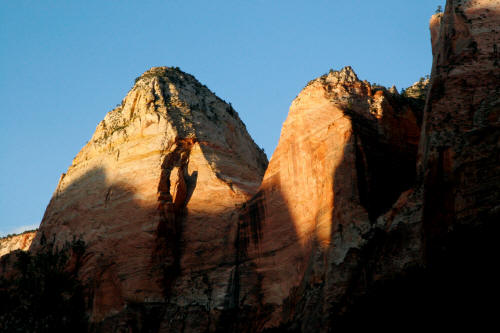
[322, 247]
[153, 195]
[429, 259]
[346, 152]
[10, 246]
[460, 163]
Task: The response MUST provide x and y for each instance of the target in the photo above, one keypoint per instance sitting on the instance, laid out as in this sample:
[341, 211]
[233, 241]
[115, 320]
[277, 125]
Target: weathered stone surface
[435, 27]
[460, 163]
[446, 224]
[16, 242]
[346, 152]
[372, 212]
[153, 195]
[316, 259]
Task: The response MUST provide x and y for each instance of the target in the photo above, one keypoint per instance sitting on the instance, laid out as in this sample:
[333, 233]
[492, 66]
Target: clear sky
[64, 64]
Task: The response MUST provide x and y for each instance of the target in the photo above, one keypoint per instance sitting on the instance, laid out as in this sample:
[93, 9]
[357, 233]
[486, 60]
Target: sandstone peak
[361, 98]
[418, 90]
[175, 101]
[346, 74]
[346, 151]
[167, 74]
[152, 194]
[181, 236]
[394, 90]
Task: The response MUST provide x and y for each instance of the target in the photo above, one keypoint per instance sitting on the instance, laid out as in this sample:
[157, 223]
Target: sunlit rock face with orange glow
[347, 150]
[373, 211]
[153, 195]
[16, 242]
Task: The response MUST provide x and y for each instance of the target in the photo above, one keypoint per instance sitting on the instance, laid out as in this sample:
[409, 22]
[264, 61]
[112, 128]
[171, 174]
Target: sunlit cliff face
[346, 152]
[16, 242]
[152, 194]
[313, 141]
[370, 195]
[319, 138]
[162, 194]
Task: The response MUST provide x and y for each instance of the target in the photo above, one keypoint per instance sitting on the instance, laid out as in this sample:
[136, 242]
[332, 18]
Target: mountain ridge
[359, 219]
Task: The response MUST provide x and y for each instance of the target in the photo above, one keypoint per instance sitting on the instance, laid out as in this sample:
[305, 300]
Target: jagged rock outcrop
[152, 194]
[16, 242]
[418, 90]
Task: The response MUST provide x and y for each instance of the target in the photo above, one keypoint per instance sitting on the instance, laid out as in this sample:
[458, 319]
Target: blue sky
[64, 64]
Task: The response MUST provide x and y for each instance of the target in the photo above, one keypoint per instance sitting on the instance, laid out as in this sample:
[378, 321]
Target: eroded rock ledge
[16, 242]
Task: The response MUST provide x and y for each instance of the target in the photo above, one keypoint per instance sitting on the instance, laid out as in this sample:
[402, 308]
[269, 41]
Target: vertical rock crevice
[173, 193]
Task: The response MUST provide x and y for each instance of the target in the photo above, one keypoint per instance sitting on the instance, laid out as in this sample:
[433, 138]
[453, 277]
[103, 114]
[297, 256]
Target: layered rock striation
[346, 152]
[344, 228]
[375, 205]
[152, 195]
[12, 243]
[460, 163]
[429, 259]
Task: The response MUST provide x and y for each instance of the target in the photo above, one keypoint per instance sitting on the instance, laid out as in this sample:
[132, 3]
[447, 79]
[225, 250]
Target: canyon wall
[459, 158]
[346, 152]
[353, 221]
[377, 208]
[152, 195]
[429, 258]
